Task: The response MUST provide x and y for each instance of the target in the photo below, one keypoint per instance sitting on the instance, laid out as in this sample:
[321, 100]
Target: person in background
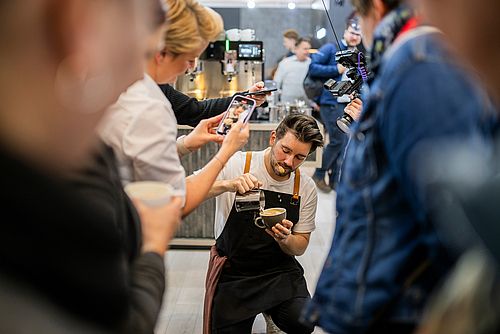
[387, 254]
[290, 38]
[141, 127]
[292, 71]
[261, 273]
[62, 64]
[323, 66]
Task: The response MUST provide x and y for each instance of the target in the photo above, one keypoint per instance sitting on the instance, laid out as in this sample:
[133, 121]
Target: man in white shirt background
[291, 73]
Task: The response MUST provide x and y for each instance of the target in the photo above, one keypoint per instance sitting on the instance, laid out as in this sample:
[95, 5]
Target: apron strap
[296, 187]
[247, 162]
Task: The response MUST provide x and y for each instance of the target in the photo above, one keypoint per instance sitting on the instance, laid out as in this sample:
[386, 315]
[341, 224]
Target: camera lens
[344, 123]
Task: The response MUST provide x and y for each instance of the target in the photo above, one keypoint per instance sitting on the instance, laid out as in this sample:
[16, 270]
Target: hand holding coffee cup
[159, 224]
[159, 210]
[150, 193]
[281, 231]
[270, 217]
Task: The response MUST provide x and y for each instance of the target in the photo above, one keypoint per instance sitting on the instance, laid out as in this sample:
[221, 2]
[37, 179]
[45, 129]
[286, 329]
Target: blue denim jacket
[324, 66]
[383, 232]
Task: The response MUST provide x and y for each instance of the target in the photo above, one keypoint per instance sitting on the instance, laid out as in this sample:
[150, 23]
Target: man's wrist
[226, 186]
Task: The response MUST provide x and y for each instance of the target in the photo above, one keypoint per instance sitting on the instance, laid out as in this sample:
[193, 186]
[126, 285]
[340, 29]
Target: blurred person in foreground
[472, 29]
[469, 192]
[144, 231]
[62, 64]
[387, 256]
[469, 302]
[141, 126]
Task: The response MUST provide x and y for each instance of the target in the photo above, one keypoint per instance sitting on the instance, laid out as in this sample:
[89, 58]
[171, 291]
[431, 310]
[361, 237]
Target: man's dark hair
[305, 128]
[364, 6]
[291, 33]
[353, 24]
[303, 39]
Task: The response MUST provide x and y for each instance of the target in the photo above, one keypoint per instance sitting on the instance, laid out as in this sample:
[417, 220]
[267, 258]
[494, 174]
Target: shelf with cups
[197, 229]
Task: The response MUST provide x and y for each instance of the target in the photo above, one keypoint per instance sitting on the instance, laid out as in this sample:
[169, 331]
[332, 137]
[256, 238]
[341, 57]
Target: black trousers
[286, 316]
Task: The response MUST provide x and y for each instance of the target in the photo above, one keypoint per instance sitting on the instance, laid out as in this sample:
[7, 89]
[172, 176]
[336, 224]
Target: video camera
[355, 63]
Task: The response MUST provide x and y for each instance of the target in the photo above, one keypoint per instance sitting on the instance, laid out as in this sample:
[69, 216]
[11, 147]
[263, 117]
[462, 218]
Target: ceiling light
[321, 33]
[291, 5]
[318, 5]
[251, 4]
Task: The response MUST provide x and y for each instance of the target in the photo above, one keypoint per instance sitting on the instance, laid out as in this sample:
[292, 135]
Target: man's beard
[279, 168]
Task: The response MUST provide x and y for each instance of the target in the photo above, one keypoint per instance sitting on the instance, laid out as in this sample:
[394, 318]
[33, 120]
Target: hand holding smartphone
[241, 108]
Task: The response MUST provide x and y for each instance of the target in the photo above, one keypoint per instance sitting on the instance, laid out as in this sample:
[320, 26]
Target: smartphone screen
[241, 108]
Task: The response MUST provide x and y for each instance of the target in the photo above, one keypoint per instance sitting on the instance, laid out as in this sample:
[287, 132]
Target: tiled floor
[183, 305]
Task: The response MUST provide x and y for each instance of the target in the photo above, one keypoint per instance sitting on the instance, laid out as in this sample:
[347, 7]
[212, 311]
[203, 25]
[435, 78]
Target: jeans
[333, 152]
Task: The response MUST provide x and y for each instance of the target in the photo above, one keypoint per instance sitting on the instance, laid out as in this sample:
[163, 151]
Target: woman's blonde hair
[189, 26]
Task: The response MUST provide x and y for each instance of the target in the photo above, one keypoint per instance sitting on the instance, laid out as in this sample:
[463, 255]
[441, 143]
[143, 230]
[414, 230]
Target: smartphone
[241, 108]
[260, 92]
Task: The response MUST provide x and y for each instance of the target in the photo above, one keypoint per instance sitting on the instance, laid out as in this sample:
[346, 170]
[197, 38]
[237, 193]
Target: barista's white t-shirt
[235, 167]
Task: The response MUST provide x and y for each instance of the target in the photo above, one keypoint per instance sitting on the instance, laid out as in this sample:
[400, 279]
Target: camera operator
[324, 66]
[386, 256]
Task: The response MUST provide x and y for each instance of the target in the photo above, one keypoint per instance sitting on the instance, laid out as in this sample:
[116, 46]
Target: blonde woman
[142, 128]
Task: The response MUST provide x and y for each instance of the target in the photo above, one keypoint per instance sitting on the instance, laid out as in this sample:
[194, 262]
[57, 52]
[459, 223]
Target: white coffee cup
[221, 36]
[247, 35]
[151, 193]
[233, 34]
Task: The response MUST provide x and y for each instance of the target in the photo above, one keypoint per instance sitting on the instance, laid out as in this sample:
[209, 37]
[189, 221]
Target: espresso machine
[224, 68]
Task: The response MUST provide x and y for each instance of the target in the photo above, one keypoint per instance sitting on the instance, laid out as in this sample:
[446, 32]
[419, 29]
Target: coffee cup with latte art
[270, 217]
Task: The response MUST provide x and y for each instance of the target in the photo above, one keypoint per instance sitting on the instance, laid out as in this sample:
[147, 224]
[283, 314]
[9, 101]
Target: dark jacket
[101, 186]
[383, 232]
[323, 66]
[56, 242]
[77, 244]
[190, 111]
